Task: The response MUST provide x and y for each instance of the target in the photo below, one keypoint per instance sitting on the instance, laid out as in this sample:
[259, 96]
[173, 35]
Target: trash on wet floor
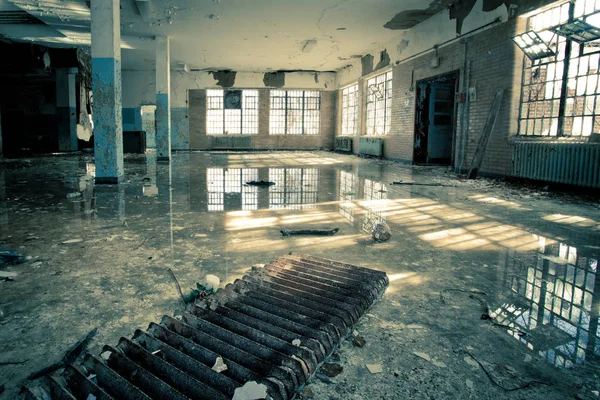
[315, 232]
[11, 256]
[381, 232]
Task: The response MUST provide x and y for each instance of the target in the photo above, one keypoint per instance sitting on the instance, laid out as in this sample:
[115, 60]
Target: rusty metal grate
[274, 327]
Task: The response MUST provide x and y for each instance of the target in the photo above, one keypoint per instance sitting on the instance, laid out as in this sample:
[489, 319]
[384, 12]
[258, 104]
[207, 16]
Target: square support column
[163, 98]
[66, 109]
[106, 88]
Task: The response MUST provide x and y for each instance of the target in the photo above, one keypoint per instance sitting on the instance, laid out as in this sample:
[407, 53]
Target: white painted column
[66, 109]
[106, 87]
[163, 98]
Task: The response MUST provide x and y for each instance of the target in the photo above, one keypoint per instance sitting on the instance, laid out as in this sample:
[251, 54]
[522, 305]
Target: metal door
[441, 122]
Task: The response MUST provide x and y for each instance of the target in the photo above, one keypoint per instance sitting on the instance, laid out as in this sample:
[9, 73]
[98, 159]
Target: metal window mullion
[285, 99]
[565, 83]
[242, 114]
[303, 108]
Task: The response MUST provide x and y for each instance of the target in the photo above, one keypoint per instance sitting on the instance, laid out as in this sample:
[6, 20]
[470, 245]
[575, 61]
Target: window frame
[279, 117]
[350, 112]
[373, 123]
[249, 96]
[560, 95]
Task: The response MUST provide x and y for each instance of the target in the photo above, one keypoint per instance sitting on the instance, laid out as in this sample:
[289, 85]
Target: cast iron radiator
[271, 329]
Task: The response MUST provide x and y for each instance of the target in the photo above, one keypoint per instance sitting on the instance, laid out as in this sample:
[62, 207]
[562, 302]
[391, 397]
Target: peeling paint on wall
[274, 79]
[461, 10]
[384, 59]
[224, 78]
[367, 64]
[402, 46]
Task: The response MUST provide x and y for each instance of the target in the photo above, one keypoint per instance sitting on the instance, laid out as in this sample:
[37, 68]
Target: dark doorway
[435, 120]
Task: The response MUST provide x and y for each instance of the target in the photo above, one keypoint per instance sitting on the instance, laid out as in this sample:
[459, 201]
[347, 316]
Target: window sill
[555, 139]
[231, 134]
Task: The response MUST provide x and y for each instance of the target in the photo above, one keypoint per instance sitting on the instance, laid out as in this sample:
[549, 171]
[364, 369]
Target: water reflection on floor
[198, 215]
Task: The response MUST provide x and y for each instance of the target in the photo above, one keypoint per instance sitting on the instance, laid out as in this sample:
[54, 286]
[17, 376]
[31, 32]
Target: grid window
[231, 118]
[227, 190]
[294, 188]
[295, 112]
[350, 110]
[545, 109]
[379, 104]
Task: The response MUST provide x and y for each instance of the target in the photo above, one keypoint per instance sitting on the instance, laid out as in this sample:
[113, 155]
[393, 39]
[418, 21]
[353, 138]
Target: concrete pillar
[66, 109]
[163, 98]
[106, 87]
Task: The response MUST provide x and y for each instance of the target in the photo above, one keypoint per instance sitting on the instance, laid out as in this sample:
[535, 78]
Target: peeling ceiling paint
[241, 35]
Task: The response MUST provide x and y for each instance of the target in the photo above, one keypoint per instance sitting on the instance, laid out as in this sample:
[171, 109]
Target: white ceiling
[243, 35]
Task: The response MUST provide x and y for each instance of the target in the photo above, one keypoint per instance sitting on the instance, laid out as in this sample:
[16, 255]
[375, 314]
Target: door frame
[452, 75]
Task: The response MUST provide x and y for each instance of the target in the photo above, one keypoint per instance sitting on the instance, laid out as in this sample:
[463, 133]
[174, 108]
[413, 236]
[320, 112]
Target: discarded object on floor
[251, 324]
[358, 341]
[261, 183]
[316, 232]
[374, 368]
[11, 256]
[7, 274]
[421, 184]
[381, 232]
[70, 356]
[331, 370]
[211, 282]
[73, 241]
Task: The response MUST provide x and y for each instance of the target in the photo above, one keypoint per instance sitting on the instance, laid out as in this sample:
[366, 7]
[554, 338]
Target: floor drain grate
[269, 331]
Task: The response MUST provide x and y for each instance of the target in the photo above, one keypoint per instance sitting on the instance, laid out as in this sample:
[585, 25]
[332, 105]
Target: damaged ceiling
[258, 35]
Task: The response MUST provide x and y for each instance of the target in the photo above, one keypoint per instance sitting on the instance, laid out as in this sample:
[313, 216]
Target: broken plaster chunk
[105, 355]
[424, 356]
[374, 368]
[439, 364]
[296, 342]
[90, 397]
[469, 384]
[219, 366]
[469, 360]
[72, 241]
[415, 326]
[250, 391]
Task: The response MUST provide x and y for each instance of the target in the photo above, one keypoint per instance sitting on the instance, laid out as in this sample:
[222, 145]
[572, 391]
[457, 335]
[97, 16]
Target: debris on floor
[316, 232]
[70, 356]
[11, 257]
[381, 232]
[331, 370]
[251, 391]
[374, 368]
[73, 241]
[219, 366]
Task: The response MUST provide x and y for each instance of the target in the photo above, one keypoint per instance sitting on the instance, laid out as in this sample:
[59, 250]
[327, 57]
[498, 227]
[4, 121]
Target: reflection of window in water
[373, 214]
[226, 190]
[294, 187]
[558, 292]
[348, 188]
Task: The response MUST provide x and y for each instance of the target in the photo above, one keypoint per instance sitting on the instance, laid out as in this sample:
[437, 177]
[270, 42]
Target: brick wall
[496, 63]
[199, 140]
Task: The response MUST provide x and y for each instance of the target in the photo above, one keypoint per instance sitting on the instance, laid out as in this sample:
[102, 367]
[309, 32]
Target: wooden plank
[485, 136]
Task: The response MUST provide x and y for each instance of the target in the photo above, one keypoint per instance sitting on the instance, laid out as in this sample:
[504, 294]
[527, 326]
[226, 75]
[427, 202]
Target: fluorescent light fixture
[533, 45]
[578, 30]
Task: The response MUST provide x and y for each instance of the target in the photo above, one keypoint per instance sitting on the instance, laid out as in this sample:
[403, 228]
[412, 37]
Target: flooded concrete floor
[533, 256]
